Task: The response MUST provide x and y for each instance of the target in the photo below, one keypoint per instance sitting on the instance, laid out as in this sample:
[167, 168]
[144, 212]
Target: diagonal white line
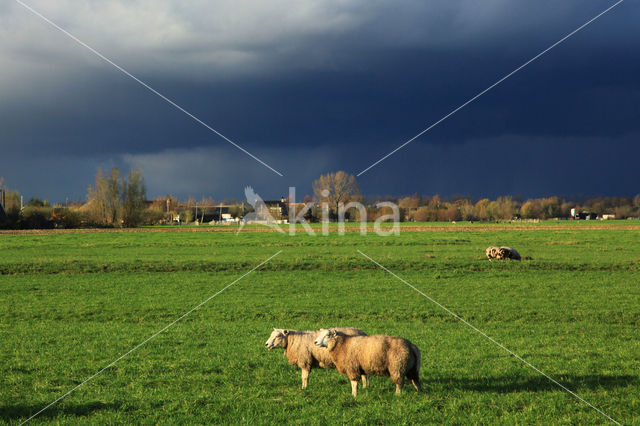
[112, 363]
[145, 85]
[500, 345]
[490, 87]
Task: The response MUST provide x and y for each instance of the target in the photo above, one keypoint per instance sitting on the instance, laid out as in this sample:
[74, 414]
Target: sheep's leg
[399, 381]
[305, 377]
[365, 380]
[354, 388]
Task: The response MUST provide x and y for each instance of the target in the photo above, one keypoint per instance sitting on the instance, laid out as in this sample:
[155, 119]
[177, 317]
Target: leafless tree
[113, 198]
[336, 188]
[134, 196]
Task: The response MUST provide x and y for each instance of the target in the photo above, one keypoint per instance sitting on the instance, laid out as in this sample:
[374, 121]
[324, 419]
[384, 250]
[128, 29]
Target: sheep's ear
[285, 332]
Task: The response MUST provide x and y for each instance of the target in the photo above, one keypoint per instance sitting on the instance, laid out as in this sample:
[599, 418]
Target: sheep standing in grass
[300, 350]
[372, 355]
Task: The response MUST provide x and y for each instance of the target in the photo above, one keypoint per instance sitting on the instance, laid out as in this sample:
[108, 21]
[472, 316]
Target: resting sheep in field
[501, 253]
[492, 252]
[300, 350]
[372, 355]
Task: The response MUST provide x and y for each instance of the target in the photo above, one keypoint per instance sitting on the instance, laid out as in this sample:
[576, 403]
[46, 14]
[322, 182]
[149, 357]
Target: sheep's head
[278, 339]
[325, 337]
[503, 253]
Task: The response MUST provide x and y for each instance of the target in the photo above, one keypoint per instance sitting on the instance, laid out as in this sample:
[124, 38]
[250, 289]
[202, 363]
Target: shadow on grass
[24, 411]
[507, 384]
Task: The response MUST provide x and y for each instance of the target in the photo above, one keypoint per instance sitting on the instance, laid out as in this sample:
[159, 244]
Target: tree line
[434, 208]
[117, 200]
[113, 200]
[341, 187]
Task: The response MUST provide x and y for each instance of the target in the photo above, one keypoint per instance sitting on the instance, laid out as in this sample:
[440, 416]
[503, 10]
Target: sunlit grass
[72, 303]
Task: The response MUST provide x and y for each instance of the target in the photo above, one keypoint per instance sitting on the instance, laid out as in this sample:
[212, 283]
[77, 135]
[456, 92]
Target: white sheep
[501, 253]
[492, 252]
[373, 355]
[300, 350]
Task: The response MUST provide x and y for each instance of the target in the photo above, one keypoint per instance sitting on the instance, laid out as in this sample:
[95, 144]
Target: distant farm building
[583, 215]
[586, 216]
[207, 214]
[278, 209]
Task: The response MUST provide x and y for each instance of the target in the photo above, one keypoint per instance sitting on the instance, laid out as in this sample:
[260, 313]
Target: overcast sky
[318, 86]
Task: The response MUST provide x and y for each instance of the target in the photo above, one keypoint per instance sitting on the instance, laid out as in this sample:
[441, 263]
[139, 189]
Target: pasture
[74, 302]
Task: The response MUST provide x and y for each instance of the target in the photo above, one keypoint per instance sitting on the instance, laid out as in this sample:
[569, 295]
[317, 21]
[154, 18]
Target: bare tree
[96, 199]
[409, 202]
[114, 199]
[481, 209]
[113, 195]
[336, 188]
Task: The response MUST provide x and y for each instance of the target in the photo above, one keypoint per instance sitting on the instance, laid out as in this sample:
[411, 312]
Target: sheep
[378, 355]
[501, 253]
[492, 252]
[299, 350]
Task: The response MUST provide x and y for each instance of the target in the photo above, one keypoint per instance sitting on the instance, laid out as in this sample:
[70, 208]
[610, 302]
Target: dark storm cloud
[321, 88]
[515, 165]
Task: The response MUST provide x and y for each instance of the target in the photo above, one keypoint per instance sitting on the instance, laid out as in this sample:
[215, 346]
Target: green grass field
[72, 303]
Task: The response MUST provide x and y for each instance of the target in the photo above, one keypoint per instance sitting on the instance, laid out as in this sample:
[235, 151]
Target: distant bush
[36, 218]
[66, 218]
[37, 202]
[152, 216]
[39, 217]
[13, 219]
